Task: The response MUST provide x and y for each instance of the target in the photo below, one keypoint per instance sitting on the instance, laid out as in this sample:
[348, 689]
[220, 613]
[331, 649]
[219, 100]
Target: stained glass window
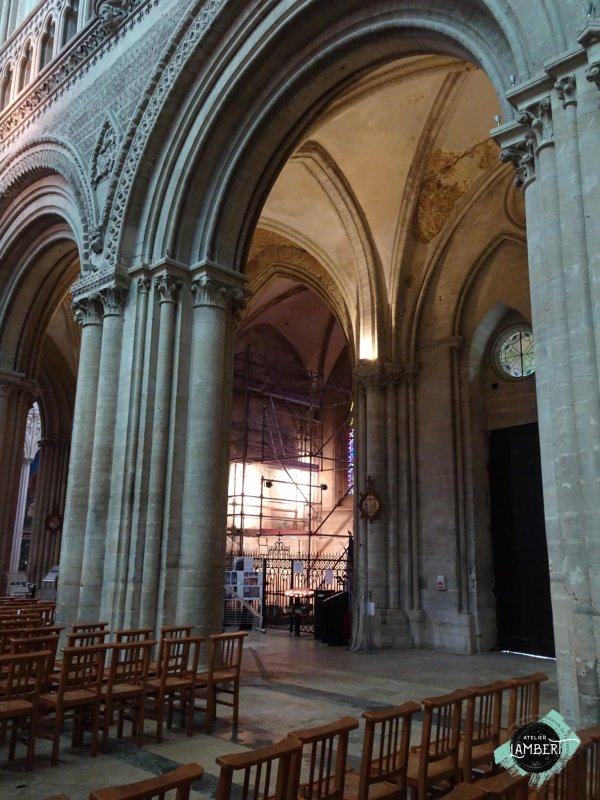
[350, 460]
[514, 355]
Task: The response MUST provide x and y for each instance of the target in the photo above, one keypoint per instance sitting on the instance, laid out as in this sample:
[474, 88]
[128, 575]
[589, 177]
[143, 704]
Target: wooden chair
[465, 791]
[482, 727]
[33, 644]
[326, 747]
[524, 699]
[220, 684]
[125, 690]
[269, 772]
[588, 763]
[179, 779]
[385, 754]
[176, 681]
[505, 787]
[88, 627]
[169, 632]
[134, 635]
[436, 759]
[19, 704]
[78, 694]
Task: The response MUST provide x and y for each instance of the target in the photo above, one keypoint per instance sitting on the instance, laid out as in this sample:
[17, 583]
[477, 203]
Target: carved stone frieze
[88, 310]
[142, 125]
[566, 89]
[168, 287]
[86, 48]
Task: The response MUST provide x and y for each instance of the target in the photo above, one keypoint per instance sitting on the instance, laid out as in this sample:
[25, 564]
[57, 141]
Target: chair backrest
[134, 635]
[524, 699]
[86, 638]
[25, 674]
[440, 734]
[386, 743]
[129, 662]
[269, 772]
[83, 668]
[180, 779]
[34, 644]
[180, 657]
[483, 719]
[173, 632]
[226, 651]
[326, 748]
[588, 763]
[88, 627]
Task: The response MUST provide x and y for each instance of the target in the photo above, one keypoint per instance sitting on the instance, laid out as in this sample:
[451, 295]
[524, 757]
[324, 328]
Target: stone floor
[288, 683]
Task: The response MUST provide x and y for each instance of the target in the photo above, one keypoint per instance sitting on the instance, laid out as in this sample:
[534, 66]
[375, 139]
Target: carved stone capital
[114, 300]
[411, 370]
[592, 74]
[370, 377]
[566, 89]
[209, 291]
[143, 284]
[538, 119]
[87, 310]
[521, 157]
[168, 287]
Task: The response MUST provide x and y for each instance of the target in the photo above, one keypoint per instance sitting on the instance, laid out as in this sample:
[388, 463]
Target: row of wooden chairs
[91, 693]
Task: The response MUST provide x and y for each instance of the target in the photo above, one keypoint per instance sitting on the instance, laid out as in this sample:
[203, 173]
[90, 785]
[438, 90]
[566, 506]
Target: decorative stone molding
[88, 310]
[209, 291]
[86, 48]
[168, 287]
[186, 39]
[566, 89]
[92, 282]
[522, 158]
[114, 300]
[105, 154]
[538, 119]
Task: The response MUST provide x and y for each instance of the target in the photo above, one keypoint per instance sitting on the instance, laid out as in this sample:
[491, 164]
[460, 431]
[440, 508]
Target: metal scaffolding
[282, 459]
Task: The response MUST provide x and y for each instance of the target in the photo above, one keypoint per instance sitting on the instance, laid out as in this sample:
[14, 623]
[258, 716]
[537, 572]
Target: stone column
[168, 289]
[49, 500]
[113, 299]
[16, 397]
[216, 293]
[30, 448]
[88, 312]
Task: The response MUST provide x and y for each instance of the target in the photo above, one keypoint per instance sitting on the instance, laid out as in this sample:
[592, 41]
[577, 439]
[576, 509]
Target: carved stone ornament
[370, 377]
[97, 240]
[168, 287]
[566, 91]
[209, 291]
[88, 310]
[369, 502]
[522, 158]
[143, 284]
[592, 74]
[105, 153]
[111, 13]
[114, 300]
[538, 118]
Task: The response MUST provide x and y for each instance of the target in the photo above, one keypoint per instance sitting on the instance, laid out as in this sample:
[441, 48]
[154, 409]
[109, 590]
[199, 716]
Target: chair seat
[170, 683]
[435, 770]
[122, 691]
[377, 791]
[71, 697]
[11, 708]
[222, 675]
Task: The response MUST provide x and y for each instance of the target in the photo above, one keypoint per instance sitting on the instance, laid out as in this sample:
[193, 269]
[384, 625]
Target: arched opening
[47, 43]
[25, 67]
[69, 22]
[6, 86]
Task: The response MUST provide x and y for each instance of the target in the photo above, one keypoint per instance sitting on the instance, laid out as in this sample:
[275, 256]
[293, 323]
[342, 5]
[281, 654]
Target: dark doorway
[522, 581]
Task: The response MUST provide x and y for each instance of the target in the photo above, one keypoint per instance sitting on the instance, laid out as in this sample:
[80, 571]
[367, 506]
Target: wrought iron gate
[284, 569]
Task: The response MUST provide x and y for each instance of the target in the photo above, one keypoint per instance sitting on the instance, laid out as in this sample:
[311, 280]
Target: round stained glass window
[514, 355]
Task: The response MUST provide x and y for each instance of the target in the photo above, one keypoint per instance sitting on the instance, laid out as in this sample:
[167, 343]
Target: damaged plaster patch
[448, 177]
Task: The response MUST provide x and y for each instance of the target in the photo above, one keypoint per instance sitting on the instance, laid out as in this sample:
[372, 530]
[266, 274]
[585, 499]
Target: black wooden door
[522, 582]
